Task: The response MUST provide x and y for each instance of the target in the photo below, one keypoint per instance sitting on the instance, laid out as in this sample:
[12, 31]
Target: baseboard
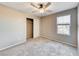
[37, 37]
[18, 43]
[60, 41]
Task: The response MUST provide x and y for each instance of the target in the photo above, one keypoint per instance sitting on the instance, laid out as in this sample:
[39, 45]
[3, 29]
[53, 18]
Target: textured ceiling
[27, 8]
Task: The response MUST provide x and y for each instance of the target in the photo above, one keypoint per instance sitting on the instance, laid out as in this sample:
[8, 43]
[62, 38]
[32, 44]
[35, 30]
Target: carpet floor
[40, 47]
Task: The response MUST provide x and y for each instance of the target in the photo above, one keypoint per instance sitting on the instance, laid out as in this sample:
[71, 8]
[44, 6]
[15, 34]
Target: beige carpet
[40, 47]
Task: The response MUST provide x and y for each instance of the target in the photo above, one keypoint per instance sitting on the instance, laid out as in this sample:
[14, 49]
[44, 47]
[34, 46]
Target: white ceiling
[27, 8]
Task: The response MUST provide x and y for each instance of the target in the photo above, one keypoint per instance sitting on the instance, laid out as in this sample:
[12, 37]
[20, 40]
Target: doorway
[29, 28]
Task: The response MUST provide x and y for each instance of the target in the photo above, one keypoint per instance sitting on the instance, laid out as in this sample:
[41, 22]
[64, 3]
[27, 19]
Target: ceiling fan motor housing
[41, 6]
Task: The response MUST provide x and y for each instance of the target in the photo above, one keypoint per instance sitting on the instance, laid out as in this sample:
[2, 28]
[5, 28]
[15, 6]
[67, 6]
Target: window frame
[69, 24]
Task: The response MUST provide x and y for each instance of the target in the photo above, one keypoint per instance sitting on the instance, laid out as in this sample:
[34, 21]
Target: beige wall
[49, 27]
[13, 27]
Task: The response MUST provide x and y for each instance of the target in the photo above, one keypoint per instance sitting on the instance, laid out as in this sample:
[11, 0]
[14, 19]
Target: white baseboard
[37, 37]
[60, 41]
[18, 43]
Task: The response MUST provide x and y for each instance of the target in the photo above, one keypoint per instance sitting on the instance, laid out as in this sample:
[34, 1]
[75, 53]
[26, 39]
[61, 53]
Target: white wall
[78, 29]
[36, 28]
[13, 27]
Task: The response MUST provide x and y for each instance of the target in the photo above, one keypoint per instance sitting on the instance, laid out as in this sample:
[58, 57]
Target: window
[63, 25]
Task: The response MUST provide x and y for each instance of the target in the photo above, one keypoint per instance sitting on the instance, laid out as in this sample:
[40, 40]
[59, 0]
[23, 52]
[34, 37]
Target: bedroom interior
[39, 29]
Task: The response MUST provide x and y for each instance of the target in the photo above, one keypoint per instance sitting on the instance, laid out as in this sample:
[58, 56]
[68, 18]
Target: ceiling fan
[41, 7]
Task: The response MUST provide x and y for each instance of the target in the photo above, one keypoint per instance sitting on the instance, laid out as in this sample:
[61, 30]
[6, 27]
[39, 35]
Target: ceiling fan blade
[48, 10]
[33, 5]
[34, 11]
[48, 4]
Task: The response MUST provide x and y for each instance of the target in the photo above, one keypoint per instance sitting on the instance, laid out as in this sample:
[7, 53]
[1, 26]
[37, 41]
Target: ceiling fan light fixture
[42, 10]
